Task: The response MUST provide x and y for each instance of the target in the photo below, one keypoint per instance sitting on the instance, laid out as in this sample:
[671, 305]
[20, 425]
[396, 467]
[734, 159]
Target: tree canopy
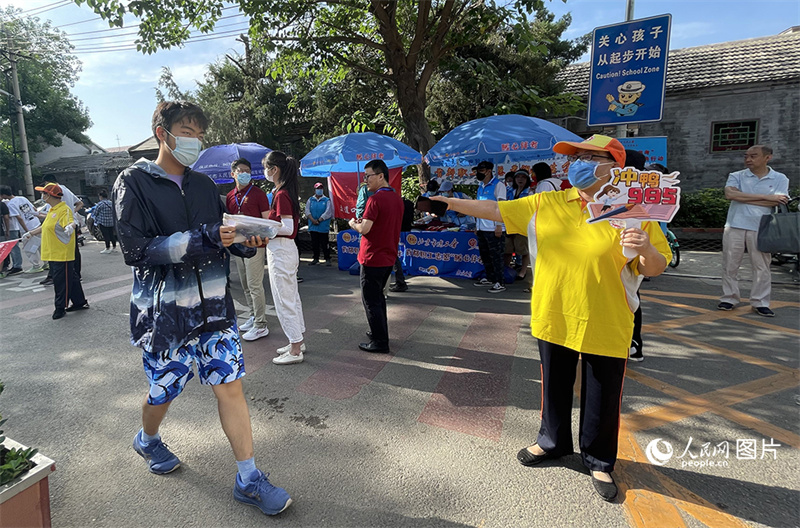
[397, 47]
[46, 71]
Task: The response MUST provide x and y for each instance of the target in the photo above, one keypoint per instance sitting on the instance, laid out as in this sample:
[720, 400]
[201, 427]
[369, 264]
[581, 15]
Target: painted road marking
[650, 497]
[472, 393]
[351, 369]
[41, 297]
[47, 310]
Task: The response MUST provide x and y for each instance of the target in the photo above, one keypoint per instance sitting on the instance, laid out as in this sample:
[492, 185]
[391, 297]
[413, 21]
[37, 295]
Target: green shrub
[13, 462]
[706, 208]
[709, 208]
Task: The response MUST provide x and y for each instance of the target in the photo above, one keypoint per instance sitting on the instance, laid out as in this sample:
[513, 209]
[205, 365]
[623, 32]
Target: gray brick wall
[687, 124]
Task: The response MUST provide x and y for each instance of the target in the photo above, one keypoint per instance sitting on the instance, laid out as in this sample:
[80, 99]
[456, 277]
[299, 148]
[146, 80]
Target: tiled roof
[104, 161]
[766, 59]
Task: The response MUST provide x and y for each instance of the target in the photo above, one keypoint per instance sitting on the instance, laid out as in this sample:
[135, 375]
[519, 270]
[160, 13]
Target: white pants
[251, 275]
[734, 241]
[282, 263]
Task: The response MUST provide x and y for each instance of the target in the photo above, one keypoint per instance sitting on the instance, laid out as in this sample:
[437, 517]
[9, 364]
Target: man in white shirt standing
[23, 218]
[753, 192]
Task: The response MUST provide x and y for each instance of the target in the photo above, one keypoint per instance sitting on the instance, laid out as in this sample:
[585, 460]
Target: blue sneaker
[159, 458]
[268, 498]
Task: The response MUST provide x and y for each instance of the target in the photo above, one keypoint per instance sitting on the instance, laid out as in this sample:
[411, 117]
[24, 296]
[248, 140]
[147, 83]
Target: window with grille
[733, 136]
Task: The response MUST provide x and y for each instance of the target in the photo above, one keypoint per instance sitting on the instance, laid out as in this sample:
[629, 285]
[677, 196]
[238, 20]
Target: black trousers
[636, 340]
[108, 235]
[399, 276]
[491, 249]
[77, 262]
[320, 241]
[601, 391]
[373, 279]
[66, 284]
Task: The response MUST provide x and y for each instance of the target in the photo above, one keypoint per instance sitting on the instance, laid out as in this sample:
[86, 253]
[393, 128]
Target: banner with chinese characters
[629, 71]
[559, 165]
[442, 254]
[634, 195]
[653, 148]
[344, 190]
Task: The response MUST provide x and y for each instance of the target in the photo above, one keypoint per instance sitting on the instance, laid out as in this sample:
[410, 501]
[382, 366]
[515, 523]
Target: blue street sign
[629, 71]
[654, 148]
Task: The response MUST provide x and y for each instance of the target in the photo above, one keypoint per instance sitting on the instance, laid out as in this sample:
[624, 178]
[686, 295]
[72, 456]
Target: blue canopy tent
[350, 152]
[216, 161]
[342, 160]
[501, 139]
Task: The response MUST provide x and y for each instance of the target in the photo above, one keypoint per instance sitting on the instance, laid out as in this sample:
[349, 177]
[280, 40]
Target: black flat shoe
[374, 347]
[58, 314]
[606, 490]
[526, 458]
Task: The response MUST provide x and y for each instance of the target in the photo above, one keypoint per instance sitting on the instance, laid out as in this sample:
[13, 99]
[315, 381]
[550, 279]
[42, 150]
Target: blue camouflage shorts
[218, 356]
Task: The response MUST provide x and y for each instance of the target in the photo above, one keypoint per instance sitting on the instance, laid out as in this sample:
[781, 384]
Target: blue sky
[119, 87]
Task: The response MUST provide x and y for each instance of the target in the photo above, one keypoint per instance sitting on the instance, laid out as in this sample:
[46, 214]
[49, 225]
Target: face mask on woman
[186, 150]
[318, 192]
[243, 178]
[581, 173]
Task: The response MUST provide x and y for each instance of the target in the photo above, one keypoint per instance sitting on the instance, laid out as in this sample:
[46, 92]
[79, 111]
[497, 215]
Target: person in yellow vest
[58, 248]
[584, 297]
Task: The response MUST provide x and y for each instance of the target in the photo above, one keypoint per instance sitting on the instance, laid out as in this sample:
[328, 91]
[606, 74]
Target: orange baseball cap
[596, 142]
[53, 189]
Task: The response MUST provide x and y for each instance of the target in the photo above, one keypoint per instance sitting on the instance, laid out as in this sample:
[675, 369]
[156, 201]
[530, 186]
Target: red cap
[597, 142]
[53, 189]
[318, 185]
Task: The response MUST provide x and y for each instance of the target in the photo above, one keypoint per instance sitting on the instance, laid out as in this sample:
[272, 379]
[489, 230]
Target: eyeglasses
[587, 157]
[368, 174]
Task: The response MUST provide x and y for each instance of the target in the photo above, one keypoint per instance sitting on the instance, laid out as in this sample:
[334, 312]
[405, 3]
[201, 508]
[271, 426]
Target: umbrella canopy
[350, 152]
[216, 161]
[499, 139]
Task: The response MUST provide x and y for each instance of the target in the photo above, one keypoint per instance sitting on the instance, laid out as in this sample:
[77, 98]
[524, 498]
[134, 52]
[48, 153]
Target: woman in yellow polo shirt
[583, 300]
[58, 248]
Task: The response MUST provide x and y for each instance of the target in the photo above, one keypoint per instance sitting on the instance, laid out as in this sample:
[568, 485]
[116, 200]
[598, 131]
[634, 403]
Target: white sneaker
[288, 348]
[288, 359]
[248, 325]
[105, 251]
[255, 333]
[497, 288]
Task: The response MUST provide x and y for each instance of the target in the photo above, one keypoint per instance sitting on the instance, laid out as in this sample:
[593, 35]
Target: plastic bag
[250, 226]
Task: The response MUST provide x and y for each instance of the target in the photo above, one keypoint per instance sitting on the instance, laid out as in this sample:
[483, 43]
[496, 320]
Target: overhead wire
[42, 7]
[99, 38]
[132, 46]
[45, 8]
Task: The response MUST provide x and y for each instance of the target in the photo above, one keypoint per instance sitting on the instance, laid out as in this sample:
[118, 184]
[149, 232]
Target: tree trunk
[418, 131]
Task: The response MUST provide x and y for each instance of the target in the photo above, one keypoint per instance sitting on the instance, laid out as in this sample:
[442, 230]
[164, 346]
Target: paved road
[426, 437]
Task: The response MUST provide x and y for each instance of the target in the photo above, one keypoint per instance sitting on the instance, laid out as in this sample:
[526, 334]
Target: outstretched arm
[486, 209]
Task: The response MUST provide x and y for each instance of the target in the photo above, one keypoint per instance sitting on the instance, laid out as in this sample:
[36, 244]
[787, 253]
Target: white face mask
[187, 150]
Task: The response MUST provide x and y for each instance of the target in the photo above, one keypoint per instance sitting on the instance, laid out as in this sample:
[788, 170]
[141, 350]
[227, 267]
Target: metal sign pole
[622, 130]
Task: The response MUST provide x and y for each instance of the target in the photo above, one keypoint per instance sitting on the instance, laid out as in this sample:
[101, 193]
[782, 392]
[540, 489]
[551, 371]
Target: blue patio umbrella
[499, 139]
[350, 152]
[216, 161]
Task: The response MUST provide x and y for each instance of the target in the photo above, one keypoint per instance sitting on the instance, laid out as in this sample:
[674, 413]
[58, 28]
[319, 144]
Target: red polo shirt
[283, 207]
[379, 246]
[250, 201]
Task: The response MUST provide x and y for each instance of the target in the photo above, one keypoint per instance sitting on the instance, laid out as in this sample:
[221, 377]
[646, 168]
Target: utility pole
[23, 138]
[622, 130]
